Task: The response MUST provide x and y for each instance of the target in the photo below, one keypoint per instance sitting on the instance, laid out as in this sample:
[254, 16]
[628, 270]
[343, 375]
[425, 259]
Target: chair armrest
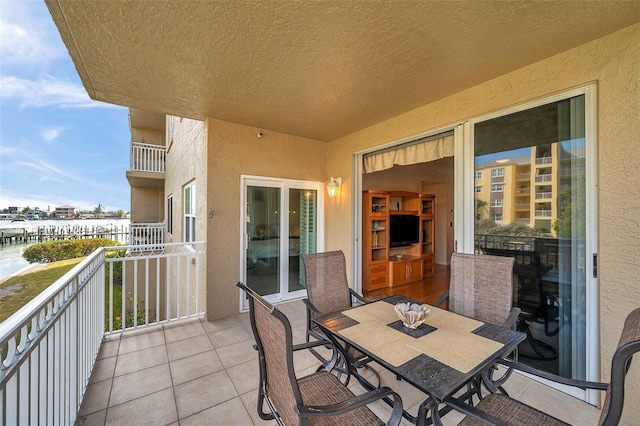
[582, 384]
[353, 403]
[311, 307]
[441, 300]
[357, 296]
[510, 322]
[308, 345]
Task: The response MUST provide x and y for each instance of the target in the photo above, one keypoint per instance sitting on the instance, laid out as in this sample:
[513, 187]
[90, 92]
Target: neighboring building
[64, 212]
[277, 107]
[512, 190]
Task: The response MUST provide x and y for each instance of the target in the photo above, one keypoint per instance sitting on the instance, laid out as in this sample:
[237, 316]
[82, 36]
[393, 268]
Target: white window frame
[477, 175]
[170, 214]
[189, 212]
[496, 202]
[477, 189]
[497, 172]
[497, 187]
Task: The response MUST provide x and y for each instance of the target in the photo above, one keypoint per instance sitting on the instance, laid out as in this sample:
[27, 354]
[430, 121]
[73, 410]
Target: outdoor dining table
[439, 357]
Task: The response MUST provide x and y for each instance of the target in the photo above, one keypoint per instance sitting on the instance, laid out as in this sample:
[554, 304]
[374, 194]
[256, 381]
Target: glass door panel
[529, 186]
[273, 242]
[263, 235]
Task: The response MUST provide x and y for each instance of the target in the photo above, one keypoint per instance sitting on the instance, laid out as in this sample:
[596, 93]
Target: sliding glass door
[282, 220]
[534, 192]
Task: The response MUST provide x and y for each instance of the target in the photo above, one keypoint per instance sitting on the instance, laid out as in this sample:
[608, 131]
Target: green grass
[33, 283]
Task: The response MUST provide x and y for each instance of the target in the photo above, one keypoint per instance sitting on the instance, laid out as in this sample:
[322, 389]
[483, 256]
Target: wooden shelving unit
[381, 266]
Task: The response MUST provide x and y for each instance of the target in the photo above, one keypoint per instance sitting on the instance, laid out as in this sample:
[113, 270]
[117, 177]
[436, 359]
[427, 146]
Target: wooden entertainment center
[387, 266]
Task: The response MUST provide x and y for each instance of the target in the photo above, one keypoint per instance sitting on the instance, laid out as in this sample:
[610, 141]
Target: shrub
[53, 251]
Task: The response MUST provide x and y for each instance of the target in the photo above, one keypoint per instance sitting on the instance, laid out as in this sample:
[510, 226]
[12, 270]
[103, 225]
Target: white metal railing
[543, 160]
[49, 347]
[147, 158]
[543, 213]
[523, 176]
[543, 195]
[543, 178]
[141, 234]
[523, 191]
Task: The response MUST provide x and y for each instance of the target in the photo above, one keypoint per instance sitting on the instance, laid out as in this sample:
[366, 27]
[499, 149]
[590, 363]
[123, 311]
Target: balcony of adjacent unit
[147, 165]
[148, 149]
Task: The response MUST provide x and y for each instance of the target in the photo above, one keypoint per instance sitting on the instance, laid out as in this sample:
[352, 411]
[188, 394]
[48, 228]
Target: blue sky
[57, 146]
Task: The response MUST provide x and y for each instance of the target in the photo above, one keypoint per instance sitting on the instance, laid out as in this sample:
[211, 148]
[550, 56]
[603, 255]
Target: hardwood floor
[426, 291]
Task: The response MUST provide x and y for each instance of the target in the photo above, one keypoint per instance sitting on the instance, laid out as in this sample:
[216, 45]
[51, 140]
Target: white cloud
[47, 92]
[27, 33]
[51, 133]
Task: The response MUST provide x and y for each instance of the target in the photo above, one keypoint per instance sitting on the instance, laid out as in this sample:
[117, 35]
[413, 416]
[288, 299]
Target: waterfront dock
[68, 232]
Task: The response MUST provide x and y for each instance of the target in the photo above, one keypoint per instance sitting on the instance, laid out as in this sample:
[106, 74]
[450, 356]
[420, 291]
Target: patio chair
[501, 409]
[328, 291]
[481, 287]
[320, 398]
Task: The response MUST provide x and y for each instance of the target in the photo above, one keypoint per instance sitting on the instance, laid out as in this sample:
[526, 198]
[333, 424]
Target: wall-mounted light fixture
[333, 185]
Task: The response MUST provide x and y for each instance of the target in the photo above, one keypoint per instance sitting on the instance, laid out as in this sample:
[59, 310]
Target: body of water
[11, 260]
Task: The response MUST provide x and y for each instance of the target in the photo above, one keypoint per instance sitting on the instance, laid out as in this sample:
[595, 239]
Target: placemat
[460, 350]
[376, 311]
[387, 343]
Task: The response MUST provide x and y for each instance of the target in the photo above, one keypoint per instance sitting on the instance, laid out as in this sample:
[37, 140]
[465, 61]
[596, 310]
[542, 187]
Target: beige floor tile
[140, 383]
[232, 412]
[109, 349]
[250, 401]
[95, 419]
[560, 405]
[103, 369]
[96, 398]
[195, 366]
[230, 336]
[203, 393]
[245, 376]
[142, 341]
[139, 360]
[176, 333]
[188, 347]
[237, 353]
[158, 408]
[220, 324]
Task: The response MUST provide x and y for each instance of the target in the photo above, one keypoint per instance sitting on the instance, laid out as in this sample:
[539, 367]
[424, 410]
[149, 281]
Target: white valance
[419, 151]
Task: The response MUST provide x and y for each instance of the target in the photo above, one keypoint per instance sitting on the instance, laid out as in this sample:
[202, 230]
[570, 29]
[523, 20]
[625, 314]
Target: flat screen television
[404, 230]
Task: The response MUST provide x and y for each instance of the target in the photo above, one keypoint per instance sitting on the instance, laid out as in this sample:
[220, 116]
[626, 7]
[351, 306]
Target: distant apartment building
[526, 189]
[64, 212]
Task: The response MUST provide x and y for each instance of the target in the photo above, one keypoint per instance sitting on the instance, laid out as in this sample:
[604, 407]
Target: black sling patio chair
[501, 409]
[328, 291]
[481, 287]
[320, 398]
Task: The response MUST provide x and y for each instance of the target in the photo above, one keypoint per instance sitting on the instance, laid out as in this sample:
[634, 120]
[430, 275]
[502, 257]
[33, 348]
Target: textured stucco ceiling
[321, 69]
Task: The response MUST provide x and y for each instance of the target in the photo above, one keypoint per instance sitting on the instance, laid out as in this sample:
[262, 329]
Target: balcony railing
[543, 213]
[543, 178]
[48, 348]
[543, 195]
[147, 157]
[145, 234]
[543, 160]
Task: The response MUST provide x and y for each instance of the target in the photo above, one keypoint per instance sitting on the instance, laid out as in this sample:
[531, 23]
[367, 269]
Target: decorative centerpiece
[412, 314]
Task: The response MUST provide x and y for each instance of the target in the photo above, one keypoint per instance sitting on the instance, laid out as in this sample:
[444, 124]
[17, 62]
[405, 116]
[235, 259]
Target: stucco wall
[186, 163]
[152, 137]
[147, 204]
[614, 63]
[234, 150]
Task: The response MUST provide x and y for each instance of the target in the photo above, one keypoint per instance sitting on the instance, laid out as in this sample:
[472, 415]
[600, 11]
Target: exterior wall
[186, 163]
[152, 137]
[147, 205]
[614, 63]
[234, 150]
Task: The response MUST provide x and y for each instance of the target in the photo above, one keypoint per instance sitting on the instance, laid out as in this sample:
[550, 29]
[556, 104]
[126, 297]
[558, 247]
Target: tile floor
[206, 373]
